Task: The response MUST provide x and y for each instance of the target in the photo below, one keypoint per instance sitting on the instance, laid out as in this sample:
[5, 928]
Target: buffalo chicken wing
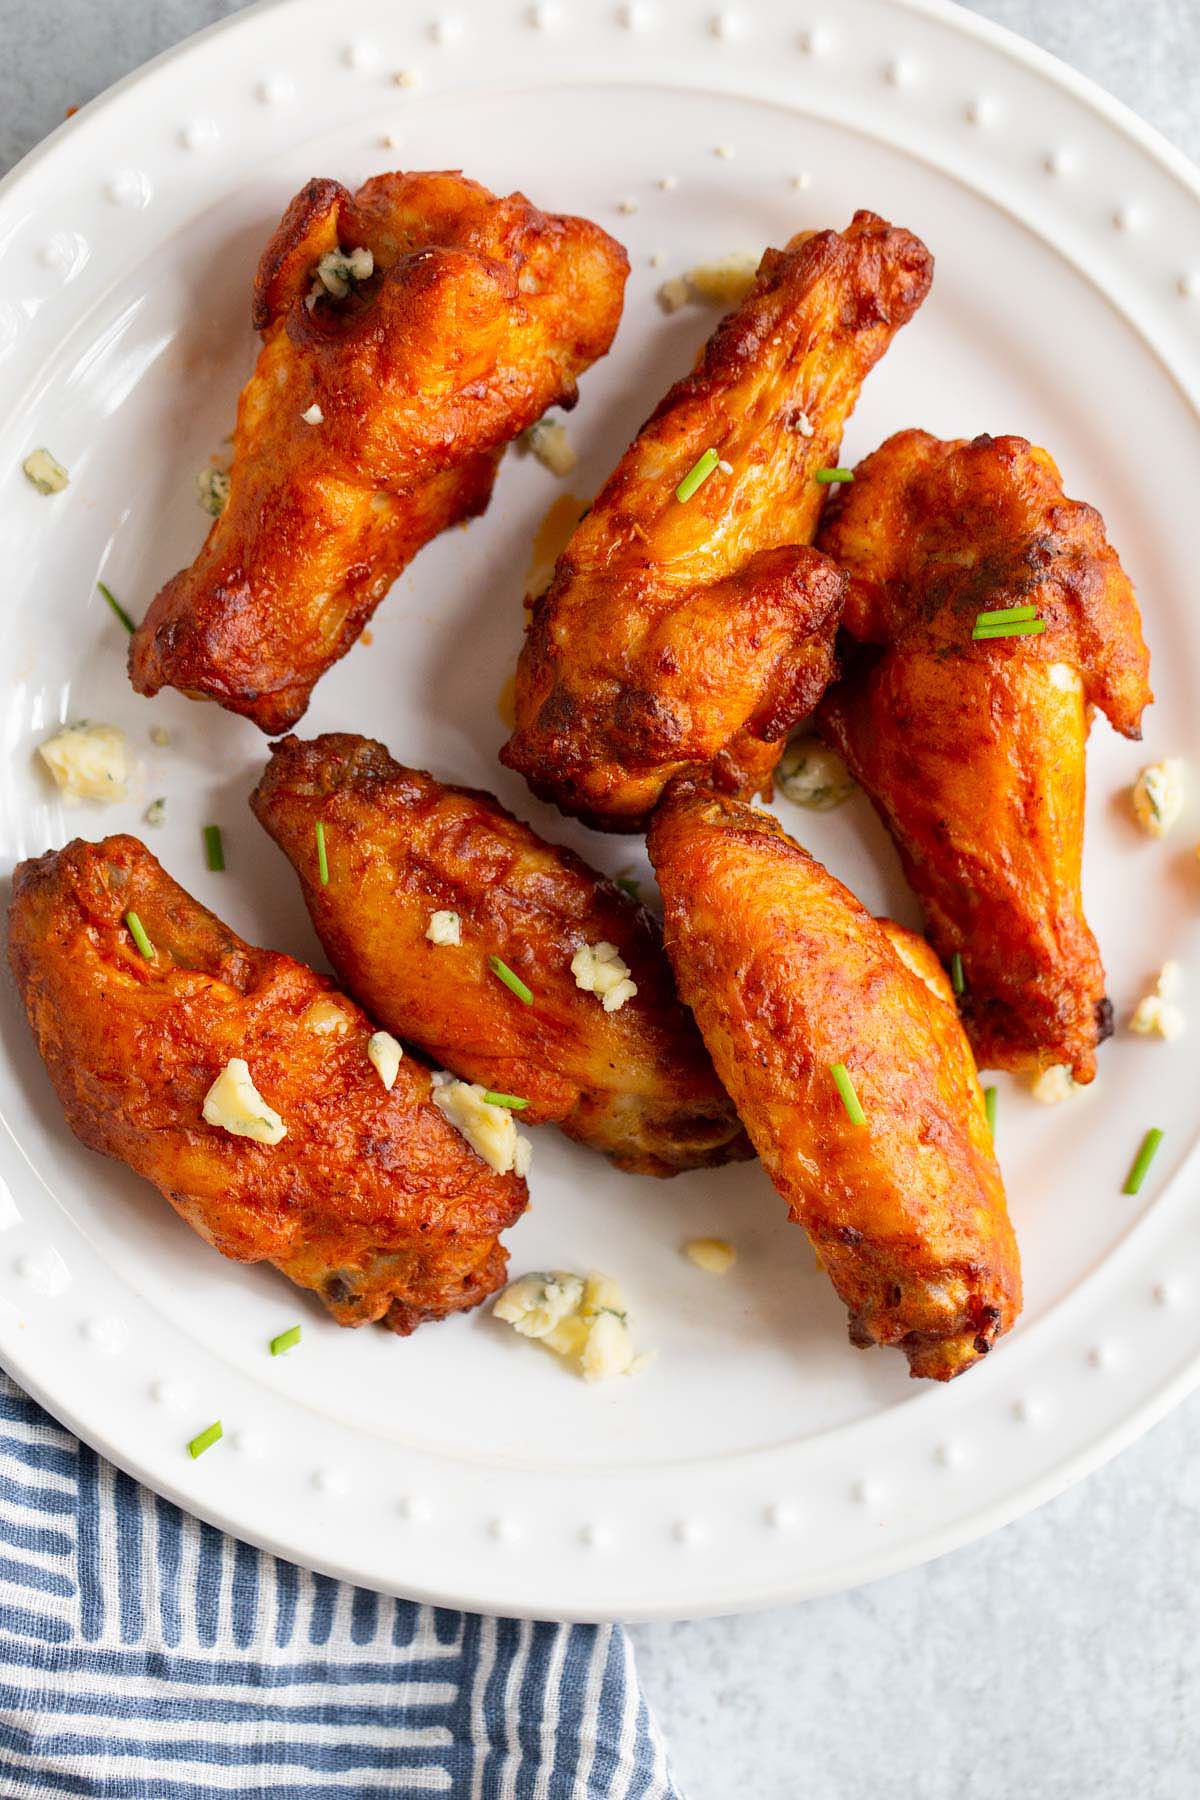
[694, 631]
[368, 1196]
[410, 862]
[409, 332]
[973, 749]
[789, 978]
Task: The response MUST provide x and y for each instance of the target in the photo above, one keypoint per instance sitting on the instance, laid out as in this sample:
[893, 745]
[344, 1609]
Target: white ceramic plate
[761, 1458]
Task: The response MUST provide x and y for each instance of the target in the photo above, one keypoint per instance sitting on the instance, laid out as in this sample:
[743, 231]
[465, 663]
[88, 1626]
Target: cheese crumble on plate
[1156, 1014]
[1157, 796]
[583, 1319]
[812, 775]
[88, 762]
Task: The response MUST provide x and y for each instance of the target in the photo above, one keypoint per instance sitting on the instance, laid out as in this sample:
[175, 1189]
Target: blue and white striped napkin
[145, 1656]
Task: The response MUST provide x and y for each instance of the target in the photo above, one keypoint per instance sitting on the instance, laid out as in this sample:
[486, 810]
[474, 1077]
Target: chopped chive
[990, 1097]
[322, 859]
[287, 1340]
[124, 617]
[697, 475]
[206, 1439]
[629, 886]
[505, 974]
[214, 849]
[512, 1101]
[137, 932]
[1006, 615]
[1142, 1161]
[956, 973]
[1020, 628]
[845, 1087]
[830, 475]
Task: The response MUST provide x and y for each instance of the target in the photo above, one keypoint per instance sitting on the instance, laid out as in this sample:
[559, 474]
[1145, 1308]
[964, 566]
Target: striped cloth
[145, 1656]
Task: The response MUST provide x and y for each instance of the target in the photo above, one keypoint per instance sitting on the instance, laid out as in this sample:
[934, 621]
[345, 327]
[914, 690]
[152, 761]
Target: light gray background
[1059, 1658]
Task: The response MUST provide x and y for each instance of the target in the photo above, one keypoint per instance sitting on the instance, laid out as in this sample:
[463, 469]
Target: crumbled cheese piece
[673, 294]
[490, 1130]
[1157, 796]
[88, 762]
[45, 471]
[313, 415]
[535, 1304]
[1156, 1014]
[802, 180]
[801, 423]
[156, 812]
[726, 468]
[714, 1255]
[725, 282]
[404, 78]
[627, 206]
[657, 259]
[1053, 1085]
[444, 928]
[385, 1056]
[668, 183]
[160, 735]
[725, 151]
[326, 1018]
[582, 1320]
[812, 775]
[235, 1104]
[549, 443]
[212, 490]
[600, 969]
[339, 269]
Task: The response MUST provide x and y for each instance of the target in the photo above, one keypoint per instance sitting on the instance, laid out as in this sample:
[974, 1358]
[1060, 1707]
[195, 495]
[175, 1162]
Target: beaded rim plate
[759, 1459]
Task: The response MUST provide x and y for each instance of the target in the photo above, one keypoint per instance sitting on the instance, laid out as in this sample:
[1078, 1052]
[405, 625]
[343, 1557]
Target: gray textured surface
[1061, 1656]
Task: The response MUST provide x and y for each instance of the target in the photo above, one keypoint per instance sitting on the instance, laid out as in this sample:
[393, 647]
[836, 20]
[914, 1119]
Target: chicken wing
[973, 751]
[371, 1199]
[448, 320]
[789, 976]
[634, 1082]
[691, 634]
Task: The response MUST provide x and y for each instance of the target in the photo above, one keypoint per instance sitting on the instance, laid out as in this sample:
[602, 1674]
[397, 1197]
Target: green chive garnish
[629, 886]
[505, 974]
[956, 973]
[697, 475]
[512, 1101]
[287, 1340]
[124, 617]
[1015, 628]
[989, 1106]
[1006, 615]
[322, 859]
[845, 1087]
[206, 1439]
[830, 475]
[214, 849]
[1142, 1161]
[137, 932]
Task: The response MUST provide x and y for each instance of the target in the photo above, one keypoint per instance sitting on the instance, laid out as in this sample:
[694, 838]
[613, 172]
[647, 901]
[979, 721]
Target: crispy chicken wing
[634, 1082]
[686, 635]
[787, 975]
[372, 1199]
[973, 751]
[374, 420]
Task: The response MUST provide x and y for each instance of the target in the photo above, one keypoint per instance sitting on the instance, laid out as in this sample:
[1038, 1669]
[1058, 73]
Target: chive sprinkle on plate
[697, 475]
[205, 1439]
[827, 476]
[137, 932]
[287, 1340]
[956, 973]
[512, 1101]
[503, 973]
[124, 617]
[214, 849]
[845, 1087]
[1142, 1161]
[322, 859]
[990, 1097]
